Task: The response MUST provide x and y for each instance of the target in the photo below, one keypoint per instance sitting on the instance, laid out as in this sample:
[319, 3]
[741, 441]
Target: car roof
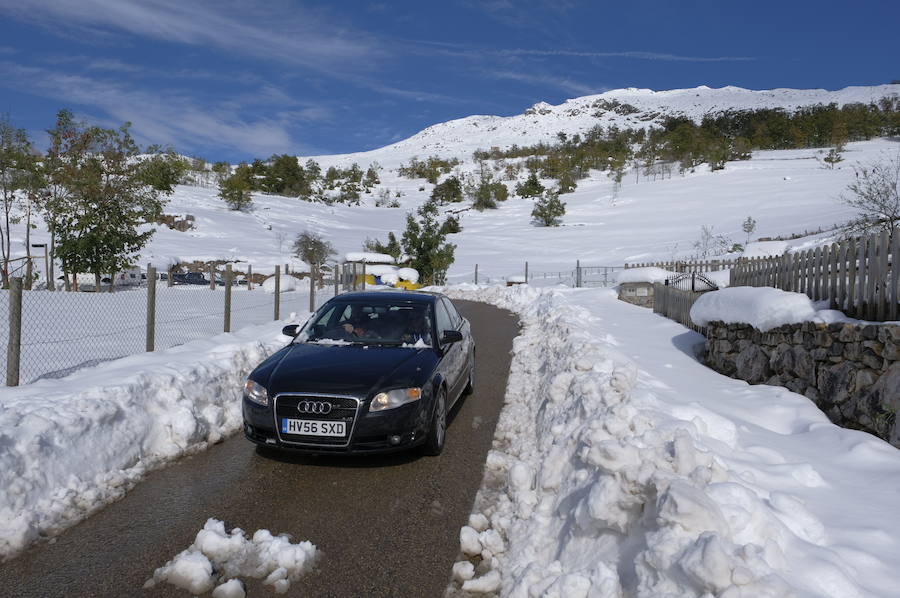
[387, 296]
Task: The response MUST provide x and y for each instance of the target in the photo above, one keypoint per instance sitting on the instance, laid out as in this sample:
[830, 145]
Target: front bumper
[369, 432]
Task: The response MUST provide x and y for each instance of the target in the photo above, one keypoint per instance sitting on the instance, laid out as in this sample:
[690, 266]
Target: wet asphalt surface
[386, 526]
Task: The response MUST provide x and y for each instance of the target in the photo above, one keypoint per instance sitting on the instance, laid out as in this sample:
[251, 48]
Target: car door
[453, 357]
[450, 352]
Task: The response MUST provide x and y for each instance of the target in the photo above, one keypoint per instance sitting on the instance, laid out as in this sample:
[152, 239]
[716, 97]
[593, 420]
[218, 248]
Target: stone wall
[851, 372]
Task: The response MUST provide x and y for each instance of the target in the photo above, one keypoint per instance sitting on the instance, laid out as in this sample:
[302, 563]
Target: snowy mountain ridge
[625, 108]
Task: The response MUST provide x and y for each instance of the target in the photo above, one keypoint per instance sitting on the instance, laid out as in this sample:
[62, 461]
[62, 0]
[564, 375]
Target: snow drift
[70, 446]
[605, 481]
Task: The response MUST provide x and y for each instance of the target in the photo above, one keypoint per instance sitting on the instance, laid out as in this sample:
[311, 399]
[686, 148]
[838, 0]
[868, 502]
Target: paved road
[387, 526]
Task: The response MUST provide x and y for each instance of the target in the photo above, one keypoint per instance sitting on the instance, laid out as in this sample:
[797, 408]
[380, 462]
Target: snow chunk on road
[217, 554]
[763, 308]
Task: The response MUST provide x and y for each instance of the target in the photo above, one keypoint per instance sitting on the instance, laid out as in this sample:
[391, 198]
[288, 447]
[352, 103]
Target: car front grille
[342, 408]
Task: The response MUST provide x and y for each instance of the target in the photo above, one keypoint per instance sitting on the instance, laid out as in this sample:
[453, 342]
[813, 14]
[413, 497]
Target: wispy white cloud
[544, 80]
[167, 118]
[629, 54]
[274, 31]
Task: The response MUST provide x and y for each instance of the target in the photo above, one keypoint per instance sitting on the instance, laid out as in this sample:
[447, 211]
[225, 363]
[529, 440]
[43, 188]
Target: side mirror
[290, 330]
[451, 336]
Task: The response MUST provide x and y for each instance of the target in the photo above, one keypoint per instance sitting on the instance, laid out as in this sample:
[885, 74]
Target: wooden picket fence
[858, 276]
[676, 304]
[688, 266]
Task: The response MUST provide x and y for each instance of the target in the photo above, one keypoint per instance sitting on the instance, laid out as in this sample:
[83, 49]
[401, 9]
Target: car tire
[434, 442]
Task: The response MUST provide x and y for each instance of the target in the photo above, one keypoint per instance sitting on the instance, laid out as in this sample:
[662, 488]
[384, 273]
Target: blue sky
[237, 80]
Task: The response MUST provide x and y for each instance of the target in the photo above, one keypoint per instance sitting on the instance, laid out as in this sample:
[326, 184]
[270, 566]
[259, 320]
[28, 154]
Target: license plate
[307, 427]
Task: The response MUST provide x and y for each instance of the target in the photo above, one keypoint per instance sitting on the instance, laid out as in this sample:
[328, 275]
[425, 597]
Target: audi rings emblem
[317, 407]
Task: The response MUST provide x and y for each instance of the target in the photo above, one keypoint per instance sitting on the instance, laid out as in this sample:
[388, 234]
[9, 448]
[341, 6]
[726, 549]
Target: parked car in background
[369, 372]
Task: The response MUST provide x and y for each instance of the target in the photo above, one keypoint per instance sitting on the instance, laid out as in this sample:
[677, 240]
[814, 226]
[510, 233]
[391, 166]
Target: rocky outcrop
[851, 372]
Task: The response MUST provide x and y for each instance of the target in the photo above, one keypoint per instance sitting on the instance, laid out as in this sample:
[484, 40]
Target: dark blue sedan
[369, 372]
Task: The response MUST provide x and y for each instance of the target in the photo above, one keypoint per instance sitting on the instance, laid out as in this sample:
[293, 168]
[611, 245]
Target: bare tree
[875, 195]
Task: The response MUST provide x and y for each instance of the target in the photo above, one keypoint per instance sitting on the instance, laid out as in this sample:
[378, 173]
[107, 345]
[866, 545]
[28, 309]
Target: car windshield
[399, 323]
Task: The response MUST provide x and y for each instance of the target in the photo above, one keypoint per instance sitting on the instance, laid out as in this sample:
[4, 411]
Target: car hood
[354, 370]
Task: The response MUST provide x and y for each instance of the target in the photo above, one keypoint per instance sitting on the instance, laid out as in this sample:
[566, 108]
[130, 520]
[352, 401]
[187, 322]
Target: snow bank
[380, 269]
[649, 274]
[604, 481]
[369, 257]
[288, 283]
[221, 556]
[763, 308]
[70, 446]
[408, 274]
[721, 278]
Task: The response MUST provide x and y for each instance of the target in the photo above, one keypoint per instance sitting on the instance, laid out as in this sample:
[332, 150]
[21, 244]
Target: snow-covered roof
[369, 257]
[648, 274]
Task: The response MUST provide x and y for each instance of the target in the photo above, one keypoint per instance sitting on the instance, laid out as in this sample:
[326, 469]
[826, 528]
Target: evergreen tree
[833, 157]
[532, 187]
[447, 192]
[391, 248]
[451, 226]
[313, 250]
[162, 171]
[235, 189]
[548, 209]
[424, 242]
[748, 227]
[371, 179]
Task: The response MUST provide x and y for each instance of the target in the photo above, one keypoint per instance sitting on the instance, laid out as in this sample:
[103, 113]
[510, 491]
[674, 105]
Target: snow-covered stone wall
[851, 372]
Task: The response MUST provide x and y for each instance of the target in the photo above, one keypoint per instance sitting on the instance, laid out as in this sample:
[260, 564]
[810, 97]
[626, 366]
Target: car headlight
[390, 399]
[256, 393]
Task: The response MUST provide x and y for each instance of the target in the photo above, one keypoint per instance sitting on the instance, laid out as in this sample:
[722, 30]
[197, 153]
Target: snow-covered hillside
[541, 122]
[786, 192]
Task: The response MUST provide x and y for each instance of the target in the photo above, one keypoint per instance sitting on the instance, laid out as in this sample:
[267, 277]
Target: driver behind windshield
[358, 326]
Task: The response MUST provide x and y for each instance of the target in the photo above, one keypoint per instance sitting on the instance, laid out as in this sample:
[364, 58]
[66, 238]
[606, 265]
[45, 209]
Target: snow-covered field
[622, 466]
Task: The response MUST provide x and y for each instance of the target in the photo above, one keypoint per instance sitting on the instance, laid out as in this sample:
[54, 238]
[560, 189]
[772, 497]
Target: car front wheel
[434, 443]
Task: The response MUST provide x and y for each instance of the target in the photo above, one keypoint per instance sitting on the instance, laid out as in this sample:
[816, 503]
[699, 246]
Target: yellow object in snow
[409, 286]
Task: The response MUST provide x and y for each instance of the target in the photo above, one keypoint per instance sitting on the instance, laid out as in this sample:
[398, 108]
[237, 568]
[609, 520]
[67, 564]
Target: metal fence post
[577, 274]
[277, 292]
[336, 271]
[476, 273]
[14, 348]
[364, 276]
[170, 282]
[227, 324]
[249, 277]
[312, 289]
[526, 272]
[151, 308]
[212, 277]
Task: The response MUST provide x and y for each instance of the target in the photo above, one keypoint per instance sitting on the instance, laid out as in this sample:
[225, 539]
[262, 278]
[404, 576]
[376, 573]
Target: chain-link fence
[62, 332]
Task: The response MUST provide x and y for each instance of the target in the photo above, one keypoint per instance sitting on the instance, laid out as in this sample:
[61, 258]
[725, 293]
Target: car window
[443, 318]
[371, 322]
[454, 315]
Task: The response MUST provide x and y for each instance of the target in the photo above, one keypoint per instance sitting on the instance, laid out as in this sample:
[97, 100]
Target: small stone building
[637, 293]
